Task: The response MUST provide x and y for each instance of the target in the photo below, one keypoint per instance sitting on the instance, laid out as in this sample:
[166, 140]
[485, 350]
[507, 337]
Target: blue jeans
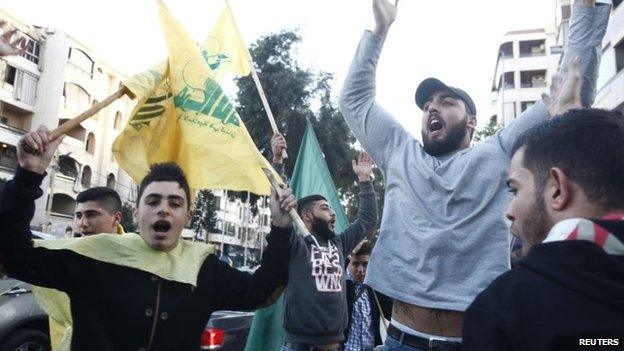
[393, 344]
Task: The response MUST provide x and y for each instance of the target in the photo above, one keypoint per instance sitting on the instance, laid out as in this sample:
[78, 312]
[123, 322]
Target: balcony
[19, 87]
[532, 48]
[533, 79]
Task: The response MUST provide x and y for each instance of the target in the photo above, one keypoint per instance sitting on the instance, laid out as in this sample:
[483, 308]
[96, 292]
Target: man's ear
[472, 122]
[189, 216]
[558, 190]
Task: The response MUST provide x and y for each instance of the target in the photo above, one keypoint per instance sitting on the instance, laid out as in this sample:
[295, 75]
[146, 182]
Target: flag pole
[265, 103]
[74, 122]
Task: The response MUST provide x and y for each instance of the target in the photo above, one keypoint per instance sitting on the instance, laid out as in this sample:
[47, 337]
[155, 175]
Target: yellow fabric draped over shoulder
[182, 264]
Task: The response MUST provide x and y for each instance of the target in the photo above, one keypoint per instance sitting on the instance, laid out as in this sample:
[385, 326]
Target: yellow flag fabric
[224, 49]
[181, 264]
[184, 116]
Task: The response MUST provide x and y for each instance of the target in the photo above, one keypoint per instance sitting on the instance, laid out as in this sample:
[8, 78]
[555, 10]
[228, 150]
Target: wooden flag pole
[297, 221]
[74, 122]
[265, 103]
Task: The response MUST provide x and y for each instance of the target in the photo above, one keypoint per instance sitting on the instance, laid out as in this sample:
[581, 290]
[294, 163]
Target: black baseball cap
[427, 87]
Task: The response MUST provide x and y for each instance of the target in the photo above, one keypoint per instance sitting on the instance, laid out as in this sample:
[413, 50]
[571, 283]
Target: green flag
[311, 176]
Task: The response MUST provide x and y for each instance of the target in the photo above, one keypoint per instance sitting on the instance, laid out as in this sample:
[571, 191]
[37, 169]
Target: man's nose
[83, 222]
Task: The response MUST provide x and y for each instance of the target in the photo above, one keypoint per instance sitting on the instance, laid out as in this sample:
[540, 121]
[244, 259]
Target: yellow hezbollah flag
[224, 49]
[184, 116]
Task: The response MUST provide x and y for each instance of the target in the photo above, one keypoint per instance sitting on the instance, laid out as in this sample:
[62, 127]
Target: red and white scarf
[586, 229]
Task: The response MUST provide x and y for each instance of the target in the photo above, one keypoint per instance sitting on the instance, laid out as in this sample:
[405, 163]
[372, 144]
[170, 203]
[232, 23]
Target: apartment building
[526, 61]
[610, 84]
[56, 79]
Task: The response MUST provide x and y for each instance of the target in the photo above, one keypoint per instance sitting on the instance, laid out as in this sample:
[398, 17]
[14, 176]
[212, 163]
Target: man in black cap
[443, 235]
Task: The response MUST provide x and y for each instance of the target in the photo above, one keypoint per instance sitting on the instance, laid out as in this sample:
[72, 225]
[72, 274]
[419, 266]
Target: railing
[533, 85]
[533, 54]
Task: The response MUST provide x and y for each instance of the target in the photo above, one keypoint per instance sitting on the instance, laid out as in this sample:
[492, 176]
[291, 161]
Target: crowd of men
[440, 270]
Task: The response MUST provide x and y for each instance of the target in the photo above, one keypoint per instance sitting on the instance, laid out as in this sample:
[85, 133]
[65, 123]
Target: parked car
[24, 325]
[227, 331]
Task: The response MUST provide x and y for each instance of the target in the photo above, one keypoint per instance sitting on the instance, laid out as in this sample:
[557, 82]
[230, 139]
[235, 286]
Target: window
[619, 55]
[76, 97]
[532, 48]
[533, 79]
[32, 49]
[81, 61]
[506, 50]
[525, 105]
[90, 146]
[508, 80]
[117, 122]
[67, 166]
[63, 206]
[86, 177]
[8, 156]
[494, 120]
[110, 181]
[9, 76]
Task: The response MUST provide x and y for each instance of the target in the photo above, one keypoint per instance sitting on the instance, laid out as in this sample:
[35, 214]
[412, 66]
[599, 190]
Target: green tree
[292, 93]
[204, 213]
[127, 221]
[489, 130]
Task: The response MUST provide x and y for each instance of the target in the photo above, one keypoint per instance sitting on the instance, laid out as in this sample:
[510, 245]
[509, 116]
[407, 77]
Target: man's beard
[456, 134]
[534, 228]
[321, 228]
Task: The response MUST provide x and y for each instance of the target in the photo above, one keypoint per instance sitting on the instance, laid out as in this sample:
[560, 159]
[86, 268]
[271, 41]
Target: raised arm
[376, 130]
[367, 212]
[244, 291]
[587, 29]
[48, 268]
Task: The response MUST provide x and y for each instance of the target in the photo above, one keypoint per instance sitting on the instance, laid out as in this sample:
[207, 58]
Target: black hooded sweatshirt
[566, 295]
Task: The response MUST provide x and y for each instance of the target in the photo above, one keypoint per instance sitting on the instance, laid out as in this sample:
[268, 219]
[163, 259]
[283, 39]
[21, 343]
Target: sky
[453, 40]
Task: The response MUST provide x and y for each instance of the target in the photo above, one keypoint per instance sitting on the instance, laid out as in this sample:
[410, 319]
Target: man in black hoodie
[567, 181]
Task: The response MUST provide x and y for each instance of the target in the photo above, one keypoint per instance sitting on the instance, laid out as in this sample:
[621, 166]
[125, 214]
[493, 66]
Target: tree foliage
[489, 130]
[204, 216]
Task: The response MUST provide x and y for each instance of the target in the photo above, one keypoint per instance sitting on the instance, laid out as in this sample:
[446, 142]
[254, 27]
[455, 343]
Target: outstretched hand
[385, 14]
[11, 43]
[363, 167]
[565, 93]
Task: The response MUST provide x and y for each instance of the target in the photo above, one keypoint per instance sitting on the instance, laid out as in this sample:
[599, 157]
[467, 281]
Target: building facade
[56, 79]
[525, 64]
[610, 84]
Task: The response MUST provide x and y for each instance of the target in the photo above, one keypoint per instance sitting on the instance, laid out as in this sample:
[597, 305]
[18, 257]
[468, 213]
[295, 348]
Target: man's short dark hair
[364, 250]
[106, 197]
[588, 145]
[305, 204]
[166, 172]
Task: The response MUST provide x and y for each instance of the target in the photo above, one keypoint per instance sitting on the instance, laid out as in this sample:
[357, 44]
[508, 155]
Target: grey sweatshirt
[444, 236]
[315, 302]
